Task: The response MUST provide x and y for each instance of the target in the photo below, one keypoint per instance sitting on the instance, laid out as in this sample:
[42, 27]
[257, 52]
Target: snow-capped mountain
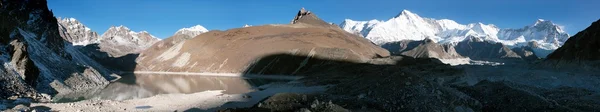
[78, 34]
[125, 36]
[181, 35]
[75, 32]
[192, 31]
[361, 28]
[116, 41]
[121, 40]
[547, 34]
[410, 26]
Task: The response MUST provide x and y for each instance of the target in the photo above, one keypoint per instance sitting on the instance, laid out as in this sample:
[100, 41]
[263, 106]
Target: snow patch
[182, 60]
[457, 61]
[478, 62]
[171, 52]
[223, 64]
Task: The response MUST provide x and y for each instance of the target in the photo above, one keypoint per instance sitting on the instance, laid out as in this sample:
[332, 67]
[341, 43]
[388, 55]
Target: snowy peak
[548, 35]
[117, 40]
[192, 31]
[123, 30]
[120, 40]
[194, 28]
[121, 35]
[357, 27]
[484, 30]
[75, 32]
[540, 21]
[119, 28]
[71, 23]
[407, 14]
[449, 24]
[67, 20]
[544, 24]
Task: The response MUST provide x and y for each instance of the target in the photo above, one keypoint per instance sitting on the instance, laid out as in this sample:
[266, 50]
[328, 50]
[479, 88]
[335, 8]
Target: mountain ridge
[237, 50]
[583, 46]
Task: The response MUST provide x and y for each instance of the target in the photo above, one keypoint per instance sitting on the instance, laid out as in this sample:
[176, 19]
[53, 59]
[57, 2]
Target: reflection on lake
[147, 85]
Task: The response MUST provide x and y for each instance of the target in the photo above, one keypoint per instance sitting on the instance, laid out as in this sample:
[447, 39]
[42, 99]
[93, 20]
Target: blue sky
[163, 18]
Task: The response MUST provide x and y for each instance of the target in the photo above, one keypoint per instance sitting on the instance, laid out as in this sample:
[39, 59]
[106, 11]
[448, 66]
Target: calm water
[146, 85]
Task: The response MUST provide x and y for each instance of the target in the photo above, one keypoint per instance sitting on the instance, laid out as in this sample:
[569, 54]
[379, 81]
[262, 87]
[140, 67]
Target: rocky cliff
[37, 58]
[582, 48]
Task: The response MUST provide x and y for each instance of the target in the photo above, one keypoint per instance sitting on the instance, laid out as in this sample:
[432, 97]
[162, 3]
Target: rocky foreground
[427, 85]
[397, 83]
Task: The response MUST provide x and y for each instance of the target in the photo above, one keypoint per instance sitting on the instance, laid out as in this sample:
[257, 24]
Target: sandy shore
[202, 101]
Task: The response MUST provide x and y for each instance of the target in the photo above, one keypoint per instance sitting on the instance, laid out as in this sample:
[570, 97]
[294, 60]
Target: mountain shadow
[324, 71]
[422, 49]
[124, 63]
[397, 48]
[397, 83]
[288, 64]
[581, 50]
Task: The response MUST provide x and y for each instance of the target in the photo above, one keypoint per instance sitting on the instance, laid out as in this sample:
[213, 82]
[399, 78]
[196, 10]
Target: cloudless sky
[162, 18]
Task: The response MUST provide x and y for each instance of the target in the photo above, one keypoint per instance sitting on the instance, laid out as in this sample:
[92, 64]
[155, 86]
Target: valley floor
[417, 86]
[510, 86]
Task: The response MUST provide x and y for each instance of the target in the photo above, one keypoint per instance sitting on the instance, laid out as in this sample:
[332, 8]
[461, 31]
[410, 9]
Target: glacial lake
[134, 86]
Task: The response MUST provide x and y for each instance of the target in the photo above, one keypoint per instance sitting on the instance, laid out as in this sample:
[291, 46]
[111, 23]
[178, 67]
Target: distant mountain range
[410, 26]
[117, 40]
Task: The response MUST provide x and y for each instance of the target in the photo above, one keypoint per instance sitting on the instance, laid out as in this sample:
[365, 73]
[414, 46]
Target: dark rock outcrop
[37, 58]
[477, 48]
[525, 52]
[583, 46]
[23, 65]
[422, 49]
[581, 52]
[309, 18]
[303, 12]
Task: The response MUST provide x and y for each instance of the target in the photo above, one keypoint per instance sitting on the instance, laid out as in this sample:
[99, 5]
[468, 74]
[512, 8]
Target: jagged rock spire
[300, 14]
